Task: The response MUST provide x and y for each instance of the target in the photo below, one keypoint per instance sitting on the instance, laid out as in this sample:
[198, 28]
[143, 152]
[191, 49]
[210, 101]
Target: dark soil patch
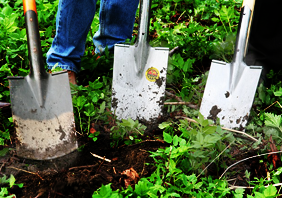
[79, 174]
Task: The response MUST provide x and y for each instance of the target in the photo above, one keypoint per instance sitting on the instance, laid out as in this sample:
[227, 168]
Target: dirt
[79, 174]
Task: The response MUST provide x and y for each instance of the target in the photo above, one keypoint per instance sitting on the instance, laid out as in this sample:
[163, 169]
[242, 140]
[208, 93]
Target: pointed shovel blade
[230, 104]
[44, 126]
[139, 94]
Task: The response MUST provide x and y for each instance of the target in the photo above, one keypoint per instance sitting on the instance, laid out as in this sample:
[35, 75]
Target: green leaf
[279, 92]
[164, 125]
[259, 195]
[175, 140]
[272, 120]
[105, 191]
[209, 130]
[270, 191]
[167, 137]
[12, 181]
[4, 151]
[200, 138]
[128, 123]
[141, 188]
[102, 107]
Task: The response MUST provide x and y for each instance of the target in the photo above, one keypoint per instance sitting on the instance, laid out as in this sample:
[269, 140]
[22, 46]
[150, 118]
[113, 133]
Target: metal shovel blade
[232, 108]
[45, 128]
[139, 75]
[230, 88]
[138, 95]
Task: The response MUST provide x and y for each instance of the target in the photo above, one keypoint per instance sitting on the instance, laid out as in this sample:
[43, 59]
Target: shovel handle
[29, 5]
[249, 3]
[37, 69]
[143, 32]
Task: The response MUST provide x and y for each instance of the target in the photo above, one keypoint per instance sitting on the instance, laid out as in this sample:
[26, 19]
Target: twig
[103, 158]
[88, 166]
[215, 159]
[189, 104]
[143, 169]
[246, 160]
[171, 52]
[25, 171]
[173, 96]
[180, 17]
[250, 187]
[227, 129]
[144, 142]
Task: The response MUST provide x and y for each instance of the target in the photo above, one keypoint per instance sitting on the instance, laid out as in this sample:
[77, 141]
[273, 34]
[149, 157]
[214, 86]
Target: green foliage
[9, 183]
[195, 146]
[94, 136]
[263, 187]
[4, 133]
[127, 130]
[90, 103]
[155, 187]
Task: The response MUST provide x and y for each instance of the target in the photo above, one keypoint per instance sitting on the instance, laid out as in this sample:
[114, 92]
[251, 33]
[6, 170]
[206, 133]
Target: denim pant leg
[116, 23]
[72, 25]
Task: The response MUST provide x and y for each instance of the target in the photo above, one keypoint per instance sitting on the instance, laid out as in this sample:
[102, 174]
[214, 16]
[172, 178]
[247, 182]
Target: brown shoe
[72, 77]
[71, 74]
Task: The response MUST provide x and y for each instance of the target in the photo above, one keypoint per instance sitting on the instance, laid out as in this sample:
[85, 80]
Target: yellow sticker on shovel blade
[152, 74]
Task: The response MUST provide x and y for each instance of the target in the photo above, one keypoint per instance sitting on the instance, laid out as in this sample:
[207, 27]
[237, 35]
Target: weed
[10, 182]
[90, 103]
[127, 130]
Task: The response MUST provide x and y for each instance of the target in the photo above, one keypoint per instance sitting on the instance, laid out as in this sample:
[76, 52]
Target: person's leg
[117, 19]
[72, 25]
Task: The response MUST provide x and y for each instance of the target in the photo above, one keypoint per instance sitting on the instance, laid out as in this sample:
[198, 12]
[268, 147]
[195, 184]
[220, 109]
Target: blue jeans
[73, 23]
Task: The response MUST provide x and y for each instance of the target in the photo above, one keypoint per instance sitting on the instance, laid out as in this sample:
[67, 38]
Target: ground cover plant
[180, 155]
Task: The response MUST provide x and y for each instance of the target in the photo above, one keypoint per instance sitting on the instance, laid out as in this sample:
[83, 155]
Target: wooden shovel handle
[249, 3]
[29, 5]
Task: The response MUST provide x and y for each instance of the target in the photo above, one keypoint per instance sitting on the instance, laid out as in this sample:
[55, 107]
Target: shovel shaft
[249, 3]
[37, 69]
[142, 46]
[143, 32]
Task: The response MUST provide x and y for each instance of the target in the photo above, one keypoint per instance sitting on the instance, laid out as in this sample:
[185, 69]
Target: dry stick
[231, 130]
[248, 159]
[215, 159]
[103, 158]
[180, 101]
[25, 171]
[171, 52]
[249, 187]
[174, 96]
[189, 104]
[88, 166]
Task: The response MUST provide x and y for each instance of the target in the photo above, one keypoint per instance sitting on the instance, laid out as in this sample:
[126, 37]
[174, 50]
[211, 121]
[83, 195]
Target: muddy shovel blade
[44, 130]
[134, 95]
[139, 75]
[232, 108]
[231, 87]
[41, 103]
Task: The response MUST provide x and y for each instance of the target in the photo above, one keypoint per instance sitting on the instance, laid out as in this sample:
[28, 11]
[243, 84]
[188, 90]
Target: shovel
[139, 75]
[231, 87]
[41, 103]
